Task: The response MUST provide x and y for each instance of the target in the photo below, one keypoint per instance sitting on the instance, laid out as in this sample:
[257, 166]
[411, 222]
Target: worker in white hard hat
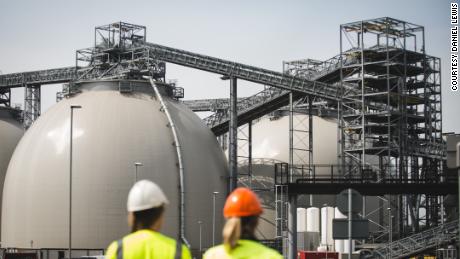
[146, 205]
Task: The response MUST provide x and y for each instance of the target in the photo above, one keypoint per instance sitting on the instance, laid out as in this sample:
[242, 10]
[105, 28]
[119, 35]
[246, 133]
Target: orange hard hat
[242, 202]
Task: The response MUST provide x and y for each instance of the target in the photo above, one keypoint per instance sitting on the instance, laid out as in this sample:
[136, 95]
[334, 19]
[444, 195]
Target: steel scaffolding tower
[396, 108]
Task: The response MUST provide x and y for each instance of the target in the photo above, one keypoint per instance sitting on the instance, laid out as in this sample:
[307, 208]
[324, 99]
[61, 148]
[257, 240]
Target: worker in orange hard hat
[242, 210]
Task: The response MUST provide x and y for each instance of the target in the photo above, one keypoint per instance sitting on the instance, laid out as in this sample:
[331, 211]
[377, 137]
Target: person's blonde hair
[232, 232]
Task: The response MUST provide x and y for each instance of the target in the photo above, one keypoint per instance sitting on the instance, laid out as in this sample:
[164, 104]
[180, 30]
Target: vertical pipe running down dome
[181, 164]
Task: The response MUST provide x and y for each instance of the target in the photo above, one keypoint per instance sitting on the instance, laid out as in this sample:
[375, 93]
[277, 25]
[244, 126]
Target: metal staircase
[418, 243]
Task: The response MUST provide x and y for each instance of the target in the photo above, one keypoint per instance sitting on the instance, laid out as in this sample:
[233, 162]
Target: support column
[32, 104]
[350, 224]
[292, 227]
[310, 140]
[250, 153]
[291, 137]
[233, 135]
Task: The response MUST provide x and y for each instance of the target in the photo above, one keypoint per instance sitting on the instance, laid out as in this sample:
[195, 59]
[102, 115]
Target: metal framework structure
[398, 106]
[383, 88]
[418, 243]
[5, 97]
[32, 104]
[118, 52]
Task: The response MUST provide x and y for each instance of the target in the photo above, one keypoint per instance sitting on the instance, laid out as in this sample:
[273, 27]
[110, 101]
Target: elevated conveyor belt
[40, 77]
[252, 107]
[192, 60]
[245, 72]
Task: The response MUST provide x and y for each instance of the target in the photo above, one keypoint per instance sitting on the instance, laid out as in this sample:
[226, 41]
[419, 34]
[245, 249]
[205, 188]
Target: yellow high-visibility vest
[146, 244]
[246, 249]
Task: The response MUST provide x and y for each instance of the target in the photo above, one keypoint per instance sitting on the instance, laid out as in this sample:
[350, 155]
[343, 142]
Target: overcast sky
[45, 34]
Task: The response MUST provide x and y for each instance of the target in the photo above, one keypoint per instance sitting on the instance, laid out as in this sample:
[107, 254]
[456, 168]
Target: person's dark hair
[144, 219]
[248, 227]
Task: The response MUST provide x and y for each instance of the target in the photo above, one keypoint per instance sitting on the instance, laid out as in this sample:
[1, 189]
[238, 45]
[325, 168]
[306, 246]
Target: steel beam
[292, 226]
[233, 135]
[32, 104]
[374, 189]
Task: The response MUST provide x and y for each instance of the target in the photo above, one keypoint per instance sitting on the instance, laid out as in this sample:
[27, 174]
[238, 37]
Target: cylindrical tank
[112, 131]
[327, 215]
[313, 225]
[11, 132]
[301, 220]
[313, 219]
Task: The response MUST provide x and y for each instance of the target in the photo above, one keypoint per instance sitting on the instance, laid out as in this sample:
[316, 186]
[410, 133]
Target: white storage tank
[112, 131]
[313, 219]
[301, 220]
[327, 215]
[11, 132]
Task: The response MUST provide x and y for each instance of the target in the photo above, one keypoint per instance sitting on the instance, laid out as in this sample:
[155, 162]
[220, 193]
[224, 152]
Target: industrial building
[367, 119]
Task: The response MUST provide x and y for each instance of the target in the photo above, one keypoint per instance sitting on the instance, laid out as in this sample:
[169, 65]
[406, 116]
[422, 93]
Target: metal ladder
[281, 211]
[281, 204]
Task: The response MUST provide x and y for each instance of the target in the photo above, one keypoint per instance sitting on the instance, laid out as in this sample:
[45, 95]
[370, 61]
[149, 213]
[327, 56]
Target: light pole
[72, 107]
[200, 223]
[214, 217]
[137, 164]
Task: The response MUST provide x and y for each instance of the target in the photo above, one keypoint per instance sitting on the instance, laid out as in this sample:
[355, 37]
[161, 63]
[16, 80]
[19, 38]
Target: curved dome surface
[112, 131]
[11, 132]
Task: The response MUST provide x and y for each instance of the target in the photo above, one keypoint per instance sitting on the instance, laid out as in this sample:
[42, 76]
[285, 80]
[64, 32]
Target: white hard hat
[145, 195]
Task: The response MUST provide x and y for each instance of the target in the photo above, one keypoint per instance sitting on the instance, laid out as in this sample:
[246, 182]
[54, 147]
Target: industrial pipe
[181, 165]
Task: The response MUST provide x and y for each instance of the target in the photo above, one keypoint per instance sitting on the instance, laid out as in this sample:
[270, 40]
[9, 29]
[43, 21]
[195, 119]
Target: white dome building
[11, 132]
[112, 131]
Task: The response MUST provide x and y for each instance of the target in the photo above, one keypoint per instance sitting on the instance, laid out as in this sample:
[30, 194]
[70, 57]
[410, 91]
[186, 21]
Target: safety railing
[349, 174]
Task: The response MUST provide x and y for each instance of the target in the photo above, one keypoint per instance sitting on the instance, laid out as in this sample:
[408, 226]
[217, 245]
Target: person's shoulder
[264, 251]
[186, 252]
[270, 253]
[163, 238]
[215, 252]
[111, 250]
[172, 243]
